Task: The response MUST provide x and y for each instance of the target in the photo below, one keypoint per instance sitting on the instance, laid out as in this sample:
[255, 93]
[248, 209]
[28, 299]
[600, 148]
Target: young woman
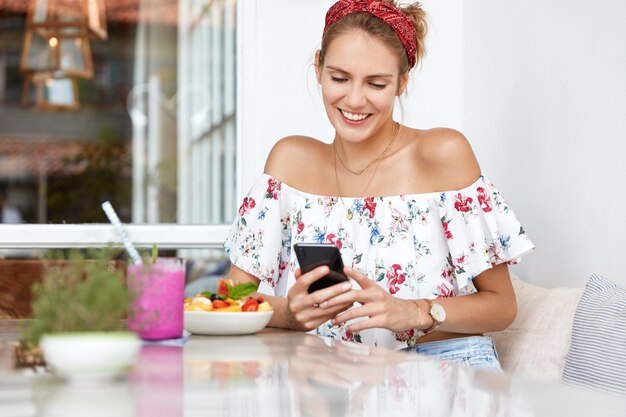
[425, 238]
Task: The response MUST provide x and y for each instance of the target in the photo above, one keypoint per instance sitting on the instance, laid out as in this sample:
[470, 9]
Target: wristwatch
[437, 313]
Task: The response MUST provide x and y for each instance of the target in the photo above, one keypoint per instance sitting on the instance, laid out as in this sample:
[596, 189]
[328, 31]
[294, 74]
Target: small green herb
[81, 291]
[238, 291]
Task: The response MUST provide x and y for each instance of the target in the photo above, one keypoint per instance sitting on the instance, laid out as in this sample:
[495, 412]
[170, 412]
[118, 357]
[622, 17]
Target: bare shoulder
[285, 159]
[449, 157]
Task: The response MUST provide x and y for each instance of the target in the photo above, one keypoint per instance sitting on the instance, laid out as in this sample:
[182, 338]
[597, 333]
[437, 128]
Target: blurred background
[127, 100]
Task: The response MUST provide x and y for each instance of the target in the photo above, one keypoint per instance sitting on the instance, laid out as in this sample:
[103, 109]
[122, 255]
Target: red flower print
[370, 206]
[273, 187]
[281, 269]
[444, 291]
[331, 238]
[248, 203]
[395, 278]
[405, 335]
[300, 227]
[447, 232]
[462, 203]
[351, 337]
[461, 260]
[484, 199]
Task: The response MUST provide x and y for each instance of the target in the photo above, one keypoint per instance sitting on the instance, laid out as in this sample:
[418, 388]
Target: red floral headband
[399, 22]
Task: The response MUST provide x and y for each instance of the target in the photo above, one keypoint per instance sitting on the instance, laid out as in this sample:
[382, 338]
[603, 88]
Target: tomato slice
[220, 304]
[250, 305]
[222, 287]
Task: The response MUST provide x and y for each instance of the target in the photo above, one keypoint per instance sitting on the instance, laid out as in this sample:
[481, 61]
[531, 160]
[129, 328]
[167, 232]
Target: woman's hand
[381, 309]
[303, 309]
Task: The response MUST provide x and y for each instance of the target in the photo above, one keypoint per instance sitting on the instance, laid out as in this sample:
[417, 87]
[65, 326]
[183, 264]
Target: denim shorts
[476, 351]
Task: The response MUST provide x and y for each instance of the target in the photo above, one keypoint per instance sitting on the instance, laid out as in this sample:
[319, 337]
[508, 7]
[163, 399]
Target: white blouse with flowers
[414, 246]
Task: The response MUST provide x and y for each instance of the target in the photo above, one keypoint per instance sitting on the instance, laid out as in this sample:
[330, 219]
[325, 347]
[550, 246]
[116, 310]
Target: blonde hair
[379, 29]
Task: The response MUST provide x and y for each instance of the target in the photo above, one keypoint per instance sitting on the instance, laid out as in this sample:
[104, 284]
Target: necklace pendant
[349, 215]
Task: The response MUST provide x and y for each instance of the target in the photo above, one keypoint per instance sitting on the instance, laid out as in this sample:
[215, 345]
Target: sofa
[574, 335]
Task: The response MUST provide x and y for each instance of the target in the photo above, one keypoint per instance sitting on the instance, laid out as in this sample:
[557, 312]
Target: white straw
[108, 210]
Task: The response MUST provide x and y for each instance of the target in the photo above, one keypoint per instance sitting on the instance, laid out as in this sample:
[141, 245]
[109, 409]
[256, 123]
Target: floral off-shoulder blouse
[427, 245]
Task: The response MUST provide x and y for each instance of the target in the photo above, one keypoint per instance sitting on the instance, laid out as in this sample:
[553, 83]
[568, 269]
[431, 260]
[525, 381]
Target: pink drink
[157, 310]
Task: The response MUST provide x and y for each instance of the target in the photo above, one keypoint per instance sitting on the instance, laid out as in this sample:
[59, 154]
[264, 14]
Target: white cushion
[537, 342]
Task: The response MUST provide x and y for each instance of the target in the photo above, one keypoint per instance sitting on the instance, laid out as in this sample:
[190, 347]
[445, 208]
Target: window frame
[165, 236]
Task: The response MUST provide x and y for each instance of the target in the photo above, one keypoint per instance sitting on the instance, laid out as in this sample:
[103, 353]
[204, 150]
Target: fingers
[313, 317]
[303, 308]
[335, 303]
[353, 313]
[307, 279]
[320, 297]
[370, 295]
[323, 296]
[305, 316]
[371, 323]
[369, 311]
[360, 278]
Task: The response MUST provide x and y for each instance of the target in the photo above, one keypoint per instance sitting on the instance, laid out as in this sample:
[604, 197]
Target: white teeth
[352, 116]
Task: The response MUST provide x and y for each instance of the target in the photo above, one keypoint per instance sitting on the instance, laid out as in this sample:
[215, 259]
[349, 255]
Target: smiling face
[360, 80]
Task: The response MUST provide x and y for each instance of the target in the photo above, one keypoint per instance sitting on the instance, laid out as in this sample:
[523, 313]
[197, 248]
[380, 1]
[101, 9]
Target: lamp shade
[56, 50]
[63, 57]
[45, 92]
[67, 18]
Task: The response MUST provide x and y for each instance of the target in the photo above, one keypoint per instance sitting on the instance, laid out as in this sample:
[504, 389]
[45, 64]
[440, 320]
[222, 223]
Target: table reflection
[278, 373]
[157, 381]
[306, 375]
[333, 378]
[55, 398]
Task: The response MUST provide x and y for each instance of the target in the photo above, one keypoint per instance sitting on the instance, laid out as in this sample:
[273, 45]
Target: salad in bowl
[232, 310]
[229, 297]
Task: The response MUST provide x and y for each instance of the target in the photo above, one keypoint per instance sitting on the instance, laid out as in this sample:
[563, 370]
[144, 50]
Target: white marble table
[277, 373]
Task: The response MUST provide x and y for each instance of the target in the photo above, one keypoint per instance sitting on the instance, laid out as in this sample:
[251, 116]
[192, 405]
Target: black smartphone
[312, 255]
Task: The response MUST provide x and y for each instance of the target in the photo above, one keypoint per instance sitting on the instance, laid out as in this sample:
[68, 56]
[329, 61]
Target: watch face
[437, 312]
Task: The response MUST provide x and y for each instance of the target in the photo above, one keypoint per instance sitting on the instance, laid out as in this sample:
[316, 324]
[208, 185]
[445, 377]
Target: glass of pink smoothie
[157, 309]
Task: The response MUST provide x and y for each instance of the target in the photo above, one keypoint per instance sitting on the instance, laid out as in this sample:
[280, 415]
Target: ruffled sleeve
[481, 230]
[256, 240]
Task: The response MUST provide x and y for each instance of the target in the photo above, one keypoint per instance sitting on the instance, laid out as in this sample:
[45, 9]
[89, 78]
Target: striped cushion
[597, 355]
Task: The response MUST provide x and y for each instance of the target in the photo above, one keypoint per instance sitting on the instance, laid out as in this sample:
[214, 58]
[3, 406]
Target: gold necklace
[349, 213]
[360, 171]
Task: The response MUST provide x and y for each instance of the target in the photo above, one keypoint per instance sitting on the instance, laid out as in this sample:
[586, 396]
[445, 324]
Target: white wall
[280, 95]
[544, 104]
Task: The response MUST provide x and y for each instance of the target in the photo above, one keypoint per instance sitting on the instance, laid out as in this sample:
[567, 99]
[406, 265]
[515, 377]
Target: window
[146, 118]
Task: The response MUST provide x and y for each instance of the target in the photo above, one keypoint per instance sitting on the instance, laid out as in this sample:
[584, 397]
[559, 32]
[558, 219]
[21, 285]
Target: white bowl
[226, 323]
[90, 354]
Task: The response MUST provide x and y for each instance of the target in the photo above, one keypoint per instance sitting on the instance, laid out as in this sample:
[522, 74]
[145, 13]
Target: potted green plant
[79, 311]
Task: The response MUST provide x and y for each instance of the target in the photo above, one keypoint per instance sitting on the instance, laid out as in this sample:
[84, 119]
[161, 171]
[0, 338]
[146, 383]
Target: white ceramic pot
[90, 354]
